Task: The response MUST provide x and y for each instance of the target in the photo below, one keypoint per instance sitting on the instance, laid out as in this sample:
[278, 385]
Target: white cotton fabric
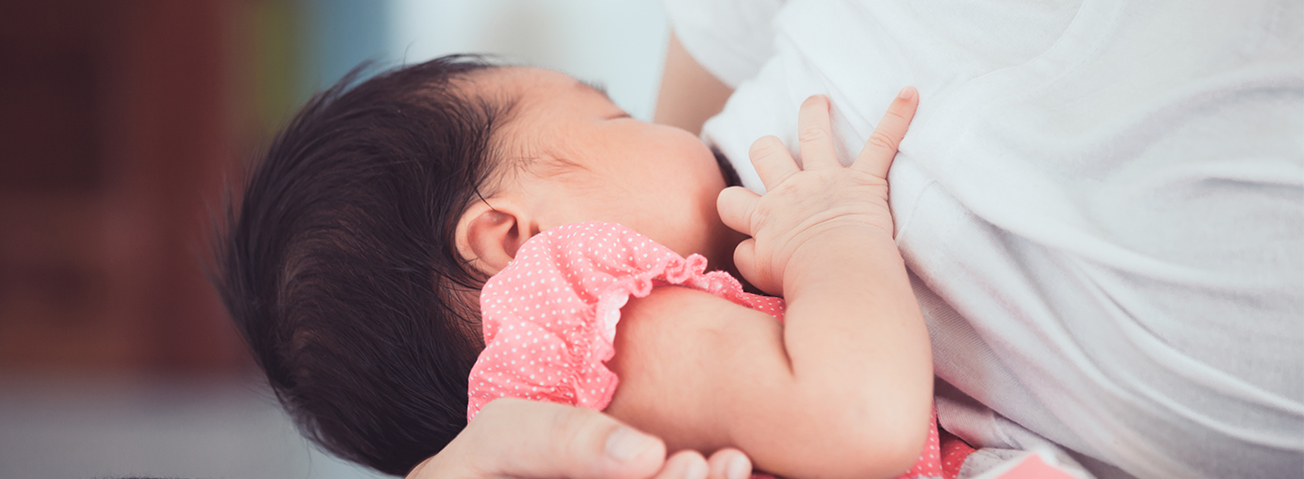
[1102, 203]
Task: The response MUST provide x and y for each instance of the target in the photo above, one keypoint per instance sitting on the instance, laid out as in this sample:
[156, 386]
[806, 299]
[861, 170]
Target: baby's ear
[488, 238]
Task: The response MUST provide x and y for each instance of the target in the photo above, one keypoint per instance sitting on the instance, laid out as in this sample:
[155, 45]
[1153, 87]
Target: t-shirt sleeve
[732, 39]
[550, 316]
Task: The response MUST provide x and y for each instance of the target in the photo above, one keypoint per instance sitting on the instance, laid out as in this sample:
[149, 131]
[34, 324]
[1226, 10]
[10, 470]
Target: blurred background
[121, 124]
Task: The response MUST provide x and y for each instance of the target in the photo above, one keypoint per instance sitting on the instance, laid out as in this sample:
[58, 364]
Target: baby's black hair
[339, 267]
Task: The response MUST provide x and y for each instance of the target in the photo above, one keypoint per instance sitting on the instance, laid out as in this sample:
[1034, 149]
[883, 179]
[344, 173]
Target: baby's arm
[844, 388]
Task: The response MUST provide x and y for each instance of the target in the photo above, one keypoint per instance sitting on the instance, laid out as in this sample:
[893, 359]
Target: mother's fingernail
[625, 443]
[906, 93]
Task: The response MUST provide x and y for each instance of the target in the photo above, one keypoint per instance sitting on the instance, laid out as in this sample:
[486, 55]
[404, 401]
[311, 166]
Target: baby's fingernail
[625, 443]
[737, 468]
[906, 93]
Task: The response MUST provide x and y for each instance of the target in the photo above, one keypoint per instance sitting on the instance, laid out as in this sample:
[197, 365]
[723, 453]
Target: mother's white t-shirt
[1101, 202]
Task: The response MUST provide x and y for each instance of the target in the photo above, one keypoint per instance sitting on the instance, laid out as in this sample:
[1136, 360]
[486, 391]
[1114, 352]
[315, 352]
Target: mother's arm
[526, 439]
[689, 94]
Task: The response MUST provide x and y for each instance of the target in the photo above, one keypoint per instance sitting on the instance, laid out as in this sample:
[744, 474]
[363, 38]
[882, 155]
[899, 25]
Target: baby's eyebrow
[595, 86]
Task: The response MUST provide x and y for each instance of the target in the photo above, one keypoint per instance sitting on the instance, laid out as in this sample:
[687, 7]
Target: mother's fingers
[772, 161]
[687, 464]
[881, 148]
[730, 463]
[528, 439]
[815, 132]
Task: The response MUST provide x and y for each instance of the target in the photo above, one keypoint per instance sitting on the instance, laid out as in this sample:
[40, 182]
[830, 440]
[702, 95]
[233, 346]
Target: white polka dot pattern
[550, 316]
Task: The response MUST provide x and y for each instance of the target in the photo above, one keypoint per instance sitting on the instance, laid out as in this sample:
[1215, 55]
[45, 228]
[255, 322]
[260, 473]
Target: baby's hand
[818, 204]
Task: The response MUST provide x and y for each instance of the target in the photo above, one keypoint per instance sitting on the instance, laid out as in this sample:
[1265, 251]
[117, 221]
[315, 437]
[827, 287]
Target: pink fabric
[550, 316]
[954, 452]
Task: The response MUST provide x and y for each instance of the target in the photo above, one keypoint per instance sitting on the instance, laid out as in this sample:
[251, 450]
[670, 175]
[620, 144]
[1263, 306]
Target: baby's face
[585, 159]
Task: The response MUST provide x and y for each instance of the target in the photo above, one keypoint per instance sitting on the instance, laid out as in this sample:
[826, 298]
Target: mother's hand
[526, 439]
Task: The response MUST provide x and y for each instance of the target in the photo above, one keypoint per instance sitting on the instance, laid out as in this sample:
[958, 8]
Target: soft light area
[620, 44]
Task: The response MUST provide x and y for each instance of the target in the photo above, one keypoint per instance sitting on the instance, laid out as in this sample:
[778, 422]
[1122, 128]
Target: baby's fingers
[752, 271]
[772, 161]
[815, 131]
[881, 148]
[735, 205]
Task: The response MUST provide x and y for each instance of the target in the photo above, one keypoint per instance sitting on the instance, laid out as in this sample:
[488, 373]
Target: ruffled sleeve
[550, 317]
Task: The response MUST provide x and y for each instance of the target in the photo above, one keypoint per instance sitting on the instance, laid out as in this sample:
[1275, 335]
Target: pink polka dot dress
[550, 316]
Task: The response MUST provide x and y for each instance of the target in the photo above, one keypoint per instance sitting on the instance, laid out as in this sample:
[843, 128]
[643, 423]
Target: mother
[1100, 200]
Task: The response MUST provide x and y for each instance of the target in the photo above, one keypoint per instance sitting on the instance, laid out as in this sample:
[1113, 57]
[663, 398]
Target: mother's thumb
[553, 440]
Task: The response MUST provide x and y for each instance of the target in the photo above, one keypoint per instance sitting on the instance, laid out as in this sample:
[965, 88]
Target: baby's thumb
[745, 261]
[735, 205]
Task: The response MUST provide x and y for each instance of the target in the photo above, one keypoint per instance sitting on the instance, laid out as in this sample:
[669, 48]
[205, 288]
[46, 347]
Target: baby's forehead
[539, 100]
[516, 80]
[533, 86]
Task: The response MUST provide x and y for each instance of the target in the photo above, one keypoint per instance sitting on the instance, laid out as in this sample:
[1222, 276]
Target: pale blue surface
[84, 427]
[341, 34]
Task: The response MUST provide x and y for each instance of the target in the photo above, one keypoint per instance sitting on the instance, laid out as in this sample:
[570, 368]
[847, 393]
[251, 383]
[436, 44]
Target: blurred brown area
[121, 123]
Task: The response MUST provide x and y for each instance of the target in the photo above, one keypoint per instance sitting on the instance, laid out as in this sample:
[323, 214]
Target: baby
[354, 263]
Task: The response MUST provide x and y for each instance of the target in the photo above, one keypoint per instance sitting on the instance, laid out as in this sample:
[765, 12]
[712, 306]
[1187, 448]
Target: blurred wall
[122, 124]
[122, 120]
[115, 128]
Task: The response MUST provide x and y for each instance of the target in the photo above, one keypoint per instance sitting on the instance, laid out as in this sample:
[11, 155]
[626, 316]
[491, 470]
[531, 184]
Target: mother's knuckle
[569, 424]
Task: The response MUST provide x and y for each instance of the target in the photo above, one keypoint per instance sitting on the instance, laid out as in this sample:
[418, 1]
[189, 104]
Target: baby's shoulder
[586, 259]
[586, 265]
[549, 318]
[591, 246]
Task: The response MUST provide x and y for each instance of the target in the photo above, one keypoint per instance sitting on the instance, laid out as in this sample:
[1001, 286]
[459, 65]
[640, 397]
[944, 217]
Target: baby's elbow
[883, 453]
[871, 443]
[898, 451]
